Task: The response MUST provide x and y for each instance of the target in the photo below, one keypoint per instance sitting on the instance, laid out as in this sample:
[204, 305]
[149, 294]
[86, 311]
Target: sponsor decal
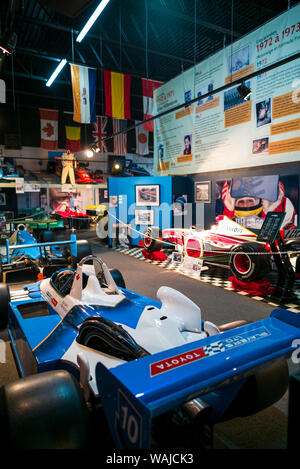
[176, 361]
[54, 302]
[208, 350]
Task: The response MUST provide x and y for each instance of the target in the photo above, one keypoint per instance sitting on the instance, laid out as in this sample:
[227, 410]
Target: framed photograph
[203, 191]
[144, 217]
[147, 195]
[113, 200]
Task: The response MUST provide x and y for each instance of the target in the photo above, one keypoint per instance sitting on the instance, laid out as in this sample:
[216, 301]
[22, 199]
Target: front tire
[249, 261]
[118, 278]
[4, 300]
[55, 415]
[152, 239]
[83, 250]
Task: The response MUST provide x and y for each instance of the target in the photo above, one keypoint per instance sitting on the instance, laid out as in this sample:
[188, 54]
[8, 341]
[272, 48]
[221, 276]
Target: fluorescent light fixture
[58, 69]
[92, 20]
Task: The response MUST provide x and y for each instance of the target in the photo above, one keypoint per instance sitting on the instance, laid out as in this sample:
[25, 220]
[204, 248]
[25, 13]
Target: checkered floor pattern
[214, 276]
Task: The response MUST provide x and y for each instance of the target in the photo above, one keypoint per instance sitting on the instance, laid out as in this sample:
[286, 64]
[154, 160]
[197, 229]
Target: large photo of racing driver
[247, 200]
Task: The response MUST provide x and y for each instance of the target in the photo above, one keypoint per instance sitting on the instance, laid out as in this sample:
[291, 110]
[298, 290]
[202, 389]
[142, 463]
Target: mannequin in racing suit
[68, 162]
[251, 211]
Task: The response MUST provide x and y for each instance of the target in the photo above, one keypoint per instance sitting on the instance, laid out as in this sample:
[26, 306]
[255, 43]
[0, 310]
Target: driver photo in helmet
[250, 210]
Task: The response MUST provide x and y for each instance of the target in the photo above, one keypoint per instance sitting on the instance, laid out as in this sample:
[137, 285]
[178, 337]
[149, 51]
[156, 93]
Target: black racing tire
[261, 390]
[152, 239]
[118, 278]
[4, 300]
[61, 235]
[298, 265]
[83, 250]
[249, 261]
[55, 415]
[46, 236]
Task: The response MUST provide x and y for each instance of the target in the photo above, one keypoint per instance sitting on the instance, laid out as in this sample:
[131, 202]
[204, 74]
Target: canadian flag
[49, 129]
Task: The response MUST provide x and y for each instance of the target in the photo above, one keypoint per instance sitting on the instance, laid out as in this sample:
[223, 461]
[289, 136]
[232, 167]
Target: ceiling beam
[110, 41]
[36, 54]
[191, 19]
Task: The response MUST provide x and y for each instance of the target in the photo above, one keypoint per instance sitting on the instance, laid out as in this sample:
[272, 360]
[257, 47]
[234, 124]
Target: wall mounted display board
[223, 131]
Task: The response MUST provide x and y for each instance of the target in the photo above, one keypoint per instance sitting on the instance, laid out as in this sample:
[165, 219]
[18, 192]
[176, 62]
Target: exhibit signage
[224, 131]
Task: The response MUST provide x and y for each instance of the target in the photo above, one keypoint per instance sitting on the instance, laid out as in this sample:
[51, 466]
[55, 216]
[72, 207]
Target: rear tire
[55, 415]
[249, 261]
[118, 278]
[298, 265]
[46, 236]
[4, 300]
[261, 390]
[83, 250]
[152, 239]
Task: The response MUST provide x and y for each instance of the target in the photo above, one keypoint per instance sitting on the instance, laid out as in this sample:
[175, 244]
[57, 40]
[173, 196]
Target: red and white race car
[226, 244]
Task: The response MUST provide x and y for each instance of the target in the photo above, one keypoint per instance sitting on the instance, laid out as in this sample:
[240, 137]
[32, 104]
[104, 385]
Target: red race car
[83, 176]
[75, 218]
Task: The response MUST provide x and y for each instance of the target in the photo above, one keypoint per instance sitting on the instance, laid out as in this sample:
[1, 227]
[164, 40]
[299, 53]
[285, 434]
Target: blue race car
[9, 172]
[158, 372]
[23, 252]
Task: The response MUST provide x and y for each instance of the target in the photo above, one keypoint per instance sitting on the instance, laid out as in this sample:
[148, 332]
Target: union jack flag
[120, 141]
[99, 133]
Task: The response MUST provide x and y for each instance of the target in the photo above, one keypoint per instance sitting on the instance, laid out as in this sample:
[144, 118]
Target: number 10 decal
[129, 423]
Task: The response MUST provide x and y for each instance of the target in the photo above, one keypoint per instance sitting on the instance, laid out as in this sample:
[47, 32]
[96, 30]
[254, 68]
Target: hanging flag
[142, 140]
[84, 92]
[73, 135]
[120, 141]
[148, 87]
[117, 95]
[99, 133]
[49, 129]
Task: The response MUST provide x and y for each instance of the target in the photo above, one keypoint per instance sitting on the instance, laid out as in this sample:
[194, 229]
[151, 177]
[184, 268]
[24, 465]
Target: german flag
[117, 95]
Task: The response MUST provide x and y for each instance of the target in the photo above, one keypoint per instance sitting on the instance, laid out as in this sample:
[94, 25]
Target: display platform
[216, 276]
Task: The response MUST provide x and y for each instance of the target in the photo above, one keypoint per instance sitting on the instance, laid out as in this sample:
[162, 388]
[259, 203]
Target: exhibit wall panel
[139, 202]
[223, 131]
[286, 175]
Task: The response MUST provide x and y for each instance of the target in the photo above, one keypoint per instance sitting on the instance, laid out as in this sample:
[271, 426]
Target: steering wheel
[63, 280]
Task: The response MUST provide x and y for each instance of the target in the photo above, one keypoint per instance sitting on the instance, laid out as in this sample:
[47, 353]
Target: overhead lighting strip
[58, 69]
[92, 20]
